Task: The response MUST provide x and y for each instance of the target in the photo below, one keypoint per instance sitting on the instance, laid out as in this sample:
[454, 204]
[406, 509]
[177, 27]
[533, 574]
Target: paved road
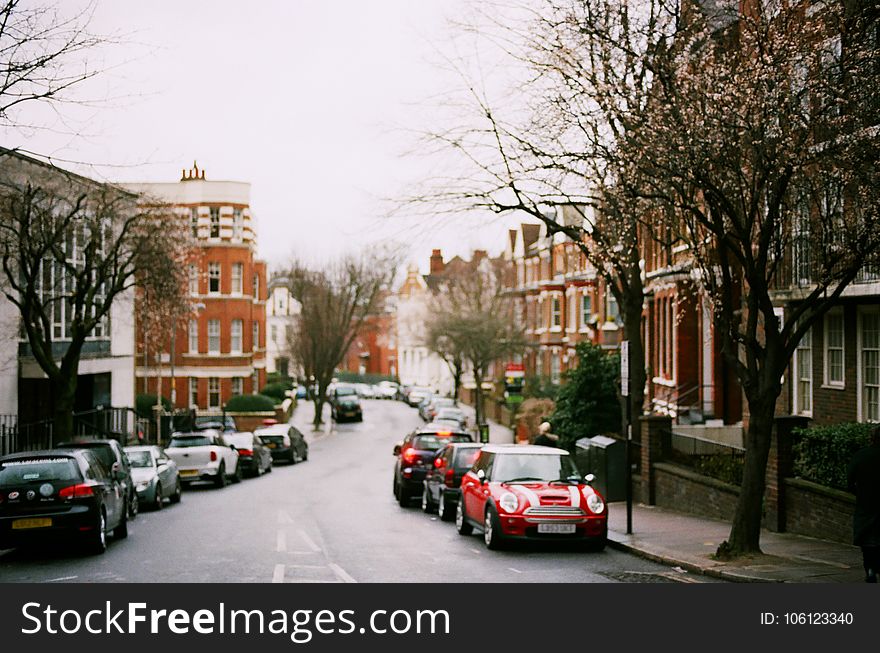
[331, 519]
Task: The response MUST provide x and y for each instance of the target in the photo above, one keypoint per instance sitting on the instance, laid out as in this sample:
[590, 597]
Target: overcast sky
[304, 99]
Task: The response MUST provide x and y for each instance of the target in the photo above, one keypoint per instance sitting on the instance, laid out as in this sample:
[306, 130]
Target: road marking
[278, 576]
[517, 571]
[58, 580]
[477, 551]
[284, 517]
[309, 542]
[341, 574]
[281, 542]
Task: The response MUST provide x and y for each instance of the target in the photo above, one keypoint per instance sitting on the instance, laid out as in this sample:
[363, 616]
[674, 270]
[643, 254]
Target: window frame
[826, 350]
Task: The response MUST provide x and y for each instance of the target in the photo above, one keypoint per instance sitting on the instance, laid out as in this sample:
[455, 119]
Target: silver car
[154, 474]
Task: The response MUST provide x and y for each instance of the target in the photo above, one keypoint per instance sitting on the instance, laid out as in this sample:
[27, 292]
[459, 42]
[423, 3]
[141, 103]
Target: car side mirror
[589, 478]
[232, 446]
[482, 476]
[397, 449]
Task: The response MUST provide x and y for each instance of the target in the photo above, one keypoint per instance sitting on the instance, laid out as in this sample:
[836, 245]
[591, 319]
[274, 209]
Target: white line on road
[309, 542]
[341, 574]
[281, 542]
[58, 580]
[284, 517]
[517, 571]
[278, 576]
[477, 551]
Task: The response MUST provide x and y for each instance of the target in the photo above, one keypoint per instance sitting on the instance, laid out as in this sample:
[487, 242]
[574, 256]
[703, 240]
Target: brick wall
[818, 511]
[680, 489]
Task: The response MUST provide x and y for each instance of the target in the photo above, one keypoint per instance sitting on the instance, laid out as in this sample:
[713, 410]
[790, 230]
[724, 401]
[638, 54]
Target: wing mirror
[116, 471]
[232, 446]
[482, 476]
[397, 449]
[589, 478]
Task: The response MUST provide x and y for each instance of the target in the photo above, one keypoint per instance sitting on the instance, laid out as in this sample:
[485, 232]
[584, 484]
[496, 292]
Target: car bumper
[198, 474]
[592, 527]
[148, 495]
[77, 520]
[282, 453]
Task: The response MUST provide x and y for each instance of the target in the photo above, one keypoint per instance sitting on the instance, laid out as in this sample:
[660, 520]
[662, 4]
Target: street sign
[624, 368]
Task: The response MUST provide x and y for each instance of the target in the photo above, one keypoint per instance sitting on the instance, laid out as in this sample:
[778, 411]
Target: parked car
[415, 455]
[530, 492]
[113, 457]
[451, 415]
[417, 395]
[204, 456]
[365, 390]
[254, 457]
[60, 496]
[403, 392]
[215, 422]
[345, 404]
[443, 479]
[155, 476]
[387, 390]
[428, 410]
[285, 442]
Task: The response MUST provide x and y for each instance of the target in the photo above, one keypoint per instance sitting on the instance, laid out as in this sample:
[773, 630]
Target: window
[215, 222]
[612, 311]
[213, 336]
[213, 278]
[834, 360]
[256, 286]
[586, 309]
[213, 392]
[194, 221]
[256, 335]
[555, 313]
[235, 340]
[255, 382]
[869, 366]
[803, 376]
[274, 331]
[237, 386]
[237, 272]
[193, 392]
[193, 275]
[237, 223]
[193, 337]
[554, 368]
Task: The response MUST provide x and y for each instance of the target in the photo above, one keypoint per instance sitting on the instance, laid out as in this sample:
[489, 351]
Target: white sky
[303, 99]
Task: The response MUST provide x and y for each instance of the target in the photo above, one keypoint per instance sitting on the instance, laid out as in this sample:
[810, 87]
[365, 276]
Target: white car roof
[530, 449]
[281, 429]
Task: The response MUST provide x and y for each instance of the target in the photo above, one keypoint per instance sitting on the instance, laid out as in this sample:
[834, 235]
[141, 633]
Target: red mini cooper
[516, 492]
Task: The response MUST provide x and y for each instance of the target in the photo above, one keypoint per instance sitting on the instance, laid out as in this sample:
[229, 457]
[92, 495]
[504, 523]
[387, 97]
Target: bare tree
[762, 145]
[474, 315]
[69, 249]
[335, 303]
[437, 340]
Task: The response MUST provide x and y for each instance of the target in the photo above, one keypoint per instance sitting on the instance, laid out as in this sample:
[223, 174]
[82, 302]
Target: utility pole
[627, 425]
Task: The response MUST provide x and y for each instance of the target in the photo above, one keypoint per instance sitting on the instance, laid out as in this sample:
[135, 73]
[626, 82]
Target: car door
[112, 491]
[297, 441]
[472, 489]
[166, 470]
[437, 474]
[229, 455]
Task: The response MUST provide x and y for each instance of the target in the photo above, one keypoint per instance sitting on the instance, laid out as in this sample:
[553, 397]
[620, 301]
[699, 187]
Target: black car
[415, 456]
[285, 442]
[112, 456]
[214, 422]
[345, 404]
[59, 496]
[443, 480]
[254, 457]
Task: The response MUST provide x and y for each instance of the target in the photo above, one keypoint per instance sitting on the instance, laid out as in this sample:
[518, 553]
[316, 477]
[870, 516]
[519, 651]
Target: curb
[688, 566]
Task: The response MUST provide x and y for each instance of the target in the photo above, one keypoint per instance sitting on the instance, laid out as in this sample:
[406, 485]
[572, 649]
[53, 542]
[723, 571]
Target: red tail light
[213, 456]
[439, 463]
[409, 456]
[449, 478]
[78, 491]
[245, 452]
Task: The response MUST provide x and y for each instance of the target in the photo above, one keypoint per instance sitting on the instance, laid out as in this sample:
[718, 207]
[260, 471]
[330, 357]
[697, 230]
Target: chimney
[479, 255]
[436, 262]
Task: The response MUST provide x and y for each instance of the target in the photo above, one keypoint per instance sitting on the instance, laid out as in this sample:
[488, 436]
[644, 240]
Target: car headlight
[508, 502]
[143, 485]
[594, 501]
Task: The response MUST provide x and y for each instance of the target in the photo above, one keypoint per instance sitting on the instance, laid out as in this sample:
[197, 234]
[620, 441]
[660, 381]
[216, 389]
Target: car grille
[554, 511]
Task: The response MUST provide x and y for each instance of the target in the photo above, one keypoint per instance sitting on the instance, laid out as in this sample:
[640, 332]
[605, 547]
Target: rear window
[16, 472]
[275, 439]
[430, 442]
[191, 441]
[104, 452]
[240, 440]
[465, 458]
[345, 391]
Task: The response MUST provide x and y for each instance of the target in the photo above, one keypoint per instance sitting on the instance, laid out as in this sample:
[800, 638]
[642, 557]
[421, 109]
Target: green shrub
[144, 405]
[275, 377]
[250, 404]
[371, 379]
[276, 391]
[822, 453]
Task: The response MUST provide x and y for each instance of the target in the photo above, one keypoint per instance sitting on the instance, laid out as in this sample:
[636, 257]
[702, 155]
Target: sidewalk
[498, 433]
[689, 542]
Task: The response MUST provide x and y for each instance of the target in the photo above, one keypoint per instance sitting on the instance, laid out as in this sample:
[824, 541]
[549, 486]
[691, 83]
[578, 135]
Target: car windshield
[239, 440]
[140, 458]
[190, 441]
[15, 472]
[541, 467]
[432, 442]
[464, 458]
[343, 391]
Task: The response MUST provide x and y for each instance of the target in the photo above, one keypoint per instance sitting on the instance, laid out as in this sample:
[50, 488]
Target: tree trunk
[632, 327]
[318, 401]
[63, 400]
[478, 400]
[745, 531]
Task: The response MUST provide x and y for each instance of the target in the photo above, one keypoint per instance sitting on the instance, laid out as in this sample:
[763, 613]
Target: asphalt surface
[330, 519]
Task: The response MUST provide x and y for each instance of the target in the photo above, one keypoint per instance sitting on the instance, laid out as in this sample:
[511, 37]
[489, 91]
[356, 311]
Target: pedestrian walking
[864, 481]
[545, 437]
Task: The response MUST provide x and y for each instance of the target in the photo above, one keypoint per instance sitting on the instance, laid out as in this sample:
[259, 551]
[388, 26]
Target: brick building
[221, 352]
[374, 349]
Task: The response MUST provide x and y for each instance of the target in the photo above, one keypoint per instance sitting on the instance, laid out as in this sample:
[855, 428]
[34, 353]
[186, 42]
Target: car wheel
[160, 500]
[427, 504]
[97, 541]
[305, 455]
[396, 488]
[461, 524]
[269, 467]
[236, 478]
[445, 510]
[492, 534]
[133, 506]
[178, 491]
[402, 497]
[220, 481]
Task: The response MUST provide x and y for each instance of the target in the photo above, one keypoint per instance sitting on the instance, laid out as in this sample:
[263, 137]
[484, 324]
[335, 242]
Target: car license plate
[556, 528]
[189, 472]
[21, 524]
